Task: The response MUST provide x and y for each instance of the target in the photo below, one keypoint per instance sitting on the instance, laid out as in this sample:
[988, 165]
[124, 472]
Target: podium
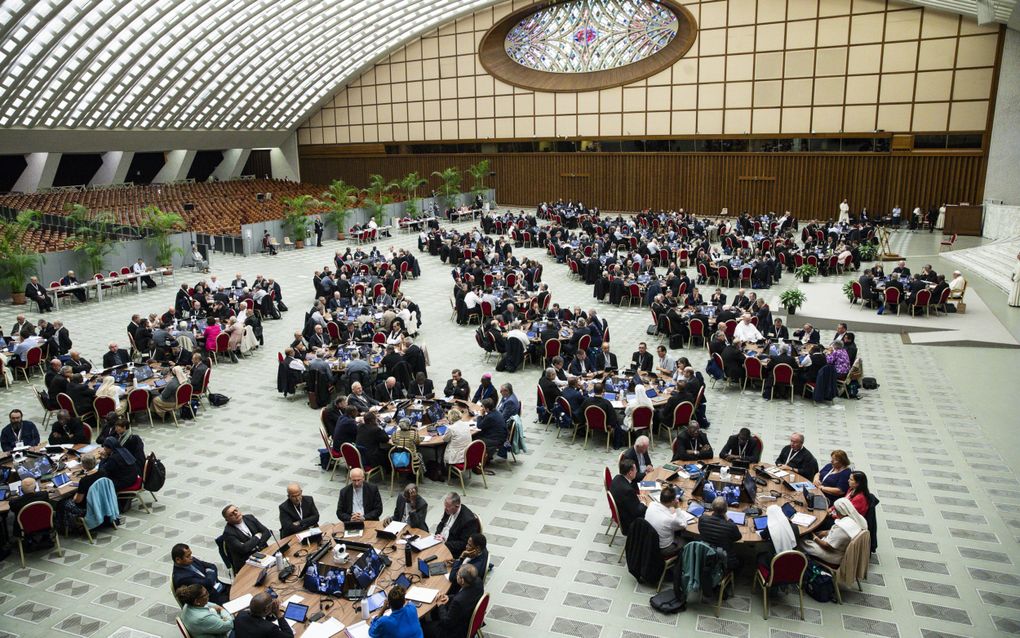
[963, 219]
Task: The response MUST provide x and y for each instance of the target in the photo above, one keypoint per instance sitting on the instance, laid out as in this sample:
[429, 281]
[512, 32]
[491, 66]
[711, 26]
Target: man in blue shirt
[402, 621]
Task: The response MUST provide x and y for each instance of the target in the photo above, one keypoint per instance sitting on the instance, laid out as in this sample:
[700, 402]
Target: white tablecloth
[1001, 222]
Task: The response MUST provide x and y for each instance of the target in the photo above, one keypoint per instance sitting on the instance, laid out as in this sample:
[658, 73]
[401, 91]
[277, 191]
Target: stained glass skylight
[591, 35]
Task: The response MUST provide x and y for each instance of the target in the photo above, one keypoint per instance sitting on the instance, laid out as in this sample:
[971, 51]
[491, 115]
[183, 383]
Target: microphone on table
[283, 566]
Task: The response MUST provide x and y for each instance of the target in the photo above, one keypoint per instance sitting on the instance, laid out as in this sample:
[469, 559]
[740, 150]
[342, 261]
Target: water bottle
[407, 555]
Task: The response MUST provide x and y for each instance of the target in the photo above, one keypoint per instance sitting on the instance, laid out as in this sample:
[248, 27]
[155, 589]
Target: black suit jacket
[82, 396]
[814, 338]
[631, 453]
[385, 396]
[465, 525]
[63, 339]
[239, 547]
[803, 463]
[454, 618]
[549, 390]
[370, 498]
[111, 359]
[626, 498]
[612, 418]
[426, 390]
[752, 451]
[251, 627]
[186, 576]
[462, 390]
[601, 362]
[643, 363]
[289, 521]
[683, 447]
[198, 376]
[417, 518]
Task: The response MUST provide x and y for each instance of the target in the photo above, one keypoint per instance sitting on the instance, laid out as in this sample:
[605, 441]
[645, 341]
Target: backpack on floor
[869, 383]
[818, 583]
[218, 400]
[676, 342]
[666, 602]
[652, 329]
[156, 476]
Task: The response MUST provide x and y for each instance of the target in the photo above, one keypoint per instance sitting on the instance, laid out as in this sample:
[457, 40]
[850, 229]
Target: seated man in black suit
[115, 356]
[797, 458]
[625, 494]
[639, 454]
[457, 386]
[719, 531]
[777, 330]
[642, 359]
[71, 280]
[82, 395]
[37, 293]
[189, 570]
[692, 444]
[422, 387]
[263, 619]
[359, 500]
[742, 448]
[808, 334]
[389, 390]
[298, 512]
[612, 418]
[453, 615]
[243, 535]
[359, 399]
[901, 269]
[457, 524]
[492, 428]
[604, 359]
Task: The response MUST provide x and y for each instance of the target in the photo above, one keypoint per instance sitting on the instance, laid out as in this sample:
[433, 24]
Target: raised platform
[994, 261]
[826, 306]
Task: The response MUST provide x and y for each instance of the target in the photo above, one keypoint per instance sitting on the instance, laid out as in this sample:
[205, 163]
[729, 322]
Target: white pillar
[114, 169]
[233, 163]
[39, 173]
[284, 160]
[176, 168]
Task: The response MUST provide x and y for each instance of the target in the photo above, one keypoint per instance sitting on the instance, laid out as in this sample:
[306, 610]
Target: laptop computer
[61, 479]
[431, 569]
[375, 601]
[815, 501]
[737, 517]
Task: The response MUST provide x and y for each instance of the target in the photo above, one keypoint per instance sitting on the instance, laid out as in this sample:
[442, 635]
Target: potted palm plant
[478, 173]
[792, 298]
[295, 217]
[17, 259]
[806, 272]
[450, 187]
[339, 200]
[410, 185]
[159, 225]
[92, 235]
[376, 196]
[867, 251]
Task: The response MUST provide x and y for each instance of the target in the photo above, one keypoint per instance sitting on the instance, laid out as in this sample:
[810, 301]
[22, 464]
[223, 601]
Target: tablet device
[789, 510]
[761, 523]
[296, 612]
[736, 517]
[375, 601]
[403, 581]
[695, 508]
[60, 479]
[610, 396]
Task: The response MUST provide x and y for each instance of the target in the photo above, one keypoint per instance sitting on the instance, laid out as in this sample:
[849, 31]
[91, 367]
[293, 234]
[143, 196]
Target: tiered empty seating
[220, 207]
[45, 240]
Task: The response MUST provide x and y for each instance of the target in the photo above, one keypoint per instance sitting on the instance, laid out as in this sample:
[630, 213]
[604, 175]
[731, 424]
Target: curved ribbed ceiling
[193, 64]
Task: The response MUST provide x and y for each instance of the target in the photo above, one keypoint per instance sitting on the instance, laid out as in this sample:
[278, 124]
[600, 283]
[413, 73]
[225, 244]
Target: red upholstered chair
[352, 457]
[922, 299]
[729, 328]
[892, 297]
[222, 345]
[474, 457]
[614, 519]
[940, 302]
[641, 421]
[782, 375]
[552, 349]
[103, 406]
[719, 362]
[33, 359]
[584, 342]
[184, 393]
[753, 371]
[379, 338]
[948, 243]
[134, 492]
[745, 276]
[34, 518]
[478, 617]
[858, 293]
[786, 568]
[682, 415]
[595, 419]
[138, 401]
[333, 330]
[607, 478]
[697, 329]
[334, 456]
[724, 276]
[548, 409]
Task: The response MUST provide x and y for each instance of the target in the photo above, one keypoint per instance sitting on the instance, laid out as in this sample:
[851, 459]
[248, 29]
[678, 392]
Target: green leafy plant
[295, 217]
[339, 200]
[376, 196]
[451, 179]
[478, 173]
[868, 251]
[18, 261]
[410, 185]
[848, 289]
[806, 271]
[160, 225]
[792, 298]
[92, 235]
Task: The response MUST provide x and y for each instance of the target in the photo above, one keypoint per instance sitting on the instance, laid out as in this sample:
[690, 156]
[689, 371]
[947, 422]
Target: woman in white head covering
[640, 400]
[780, 530]
[110, 389]
[831, 545]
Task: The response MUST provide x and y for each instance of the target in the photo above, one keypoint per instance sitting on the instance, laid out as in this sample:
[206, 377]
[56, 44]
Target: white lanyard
[790, 455]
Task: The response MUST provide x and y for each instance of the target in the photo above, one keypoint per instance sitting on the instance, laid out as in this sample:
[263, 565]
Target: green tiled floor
[937, 440]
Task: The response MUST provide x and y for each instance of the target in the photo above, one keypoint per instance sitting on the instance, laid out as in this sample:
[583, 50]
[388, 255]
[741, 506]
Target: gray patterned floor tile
[1007, 625]
[930, 587]
[596, 578]
[939, 612]
[539, 569]
[587, 603]
[512, 615]
[577, 628]
[645, 612]
[723, 627]
[870, 626]
[117, 600]
[80, 625]
[31, 612]
[527, 591]
[70, 587]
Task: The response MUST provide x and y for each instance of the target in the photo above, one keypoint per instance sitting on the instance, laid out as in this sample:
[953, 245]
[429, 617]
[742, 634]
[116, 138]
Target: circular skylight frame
[497, 62]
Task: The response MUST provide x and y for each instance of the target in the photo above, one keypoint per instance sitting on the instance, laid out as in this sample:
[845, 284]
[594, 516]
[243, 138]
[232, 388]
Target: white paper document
[308, 533]
[802, 519]
[395, 528]
[359, 630]
[424, 543]
[422, 594]
[324, 629]
[238, 604]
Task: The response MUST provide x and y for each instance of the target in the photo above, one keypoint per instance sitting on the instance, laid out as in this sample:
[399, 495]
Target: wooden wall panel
[809, 185]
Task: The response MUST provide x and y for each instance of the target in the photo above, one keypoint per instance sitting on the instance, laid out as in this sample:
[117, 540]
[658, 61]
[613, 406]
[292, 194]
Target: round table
[342, 609]
[747, 530]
